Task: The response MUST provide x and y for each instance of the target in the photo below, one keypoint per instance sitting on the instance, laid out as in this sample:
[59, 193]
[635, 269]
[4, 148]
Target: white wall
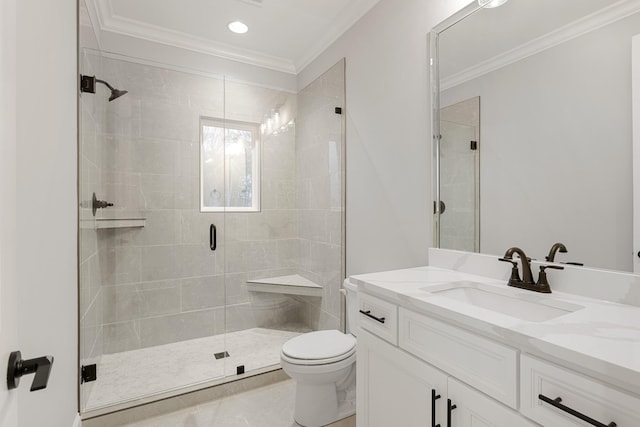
[46, 230]
[389, 203]
[8, 311]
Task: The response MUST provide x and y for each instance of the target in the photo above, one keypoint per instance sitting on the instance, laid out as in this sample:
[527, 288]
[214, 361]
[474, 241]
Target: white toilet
[323, 364]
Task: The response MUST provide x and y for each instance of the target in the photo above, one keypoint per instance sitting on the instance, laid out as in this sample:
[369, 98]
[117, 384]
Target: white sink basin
[514, 303]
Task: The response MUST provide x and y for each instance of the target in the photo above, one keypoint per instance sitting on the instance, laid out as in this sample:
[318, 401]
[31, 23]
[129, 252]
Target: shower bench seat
[293, 284]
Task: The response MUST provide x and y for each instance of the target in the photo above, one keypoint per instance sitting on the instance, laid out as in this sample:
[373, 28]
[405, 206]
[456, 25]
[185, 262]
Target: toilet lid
[319, 345]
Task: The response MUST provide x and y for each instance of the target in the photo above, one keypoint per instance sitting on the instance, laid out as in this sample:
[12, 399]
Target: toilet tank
[351, 292]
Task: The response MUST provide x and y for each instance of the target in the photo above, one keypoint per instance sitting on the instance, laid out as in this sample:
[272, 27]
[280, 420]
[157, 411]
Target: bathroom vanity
[447, 347]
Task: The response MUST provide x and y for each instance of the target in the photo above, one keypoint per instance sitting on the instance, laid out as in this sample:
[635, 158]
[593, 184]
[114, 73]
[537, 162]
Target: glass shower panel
[152, 289]
[458, 153]
[92, 113]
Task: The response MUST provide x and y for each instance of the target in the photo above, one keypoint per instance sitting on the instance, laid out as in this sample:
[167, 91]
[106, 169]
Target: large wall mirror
[554, 140]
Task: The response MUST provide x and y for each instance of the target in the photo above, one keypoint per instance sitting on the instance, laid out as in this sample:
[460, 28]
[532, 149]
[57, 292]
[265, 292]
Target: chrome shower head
[88, 84]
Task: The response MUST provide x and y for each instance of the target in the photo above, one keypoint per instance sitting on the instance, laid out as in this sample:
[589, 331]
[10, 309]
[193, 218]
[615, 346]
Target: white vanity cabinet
[433, 328]
[397, 387]
[484, 364]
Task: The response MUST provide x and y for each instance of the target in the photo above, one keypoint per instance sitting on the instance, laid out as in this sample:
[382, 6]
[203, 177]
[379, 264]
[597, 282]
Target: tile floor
[148, 371]
[267, 406]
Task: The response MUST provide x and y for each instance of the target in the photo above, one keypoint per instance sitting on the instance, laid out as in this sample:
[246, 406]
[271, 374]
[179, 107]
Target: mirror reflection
[554, 147]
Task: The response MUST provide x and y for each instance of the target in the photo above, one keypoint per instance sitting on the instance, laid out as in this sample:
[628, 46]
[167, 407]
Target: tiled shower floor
[135, 374]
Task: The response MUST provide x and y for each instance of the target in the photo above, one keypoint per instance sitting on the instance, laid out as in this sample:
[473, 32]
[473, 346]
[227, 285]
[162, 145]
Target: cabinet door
[395, 389]
[475, 409]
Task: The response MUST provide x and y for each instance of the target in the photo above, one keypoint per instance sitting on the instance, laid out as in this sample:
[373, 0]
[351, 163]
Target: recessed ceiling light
[238, 27]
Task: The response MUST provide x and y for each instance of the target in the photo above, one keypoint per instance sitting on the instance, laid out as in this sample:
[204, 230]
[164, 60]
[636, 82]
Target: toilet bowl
[323, 365]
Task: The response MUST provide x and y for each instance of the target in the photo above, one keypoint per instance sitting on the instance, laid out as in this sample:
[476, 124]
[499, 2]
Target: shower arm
[88, 84]
[106, 84]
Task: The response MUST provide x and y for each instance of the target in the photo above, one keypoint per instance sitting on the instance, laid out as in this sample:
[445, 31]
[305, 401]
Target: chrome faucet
[542, 285]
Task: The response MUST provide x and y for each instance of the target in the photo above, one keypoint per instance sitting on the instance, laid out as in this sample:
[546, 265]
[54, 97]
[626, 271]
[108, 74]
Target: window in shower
[229, 166]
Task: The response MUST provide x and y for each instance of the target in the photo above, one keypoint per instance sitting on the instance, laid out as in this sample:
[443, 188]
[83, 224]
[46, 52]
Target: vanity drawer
[486, 365]
[580, 393]
[378, 317]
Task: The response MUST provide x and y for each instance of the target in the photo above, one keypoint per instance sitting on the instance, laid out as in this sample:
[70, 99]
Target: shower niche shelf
[120, 220]
[293, 285]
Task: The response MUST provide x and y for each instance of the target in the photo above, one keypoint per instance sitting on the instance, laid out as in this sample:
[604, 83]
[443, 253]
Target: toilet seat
[314, 362]
[319, 348]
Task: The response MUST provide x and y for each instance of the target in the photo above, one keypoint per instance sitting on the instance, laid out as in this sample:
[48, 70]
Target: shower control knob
[102, 204]
[99, 204]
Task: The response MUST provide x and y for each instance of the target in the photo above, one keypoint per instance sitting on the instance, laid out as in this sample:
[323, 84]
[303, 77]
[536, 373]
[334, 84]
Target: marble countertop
[599, 338]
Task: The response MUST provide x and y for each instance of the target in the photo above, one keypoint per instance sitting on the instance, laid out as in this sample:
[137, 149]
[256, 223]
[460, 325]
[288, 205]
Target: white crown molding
[110, 22]
[592, 22]
[342, 24]
[95, 20]
[186, 70]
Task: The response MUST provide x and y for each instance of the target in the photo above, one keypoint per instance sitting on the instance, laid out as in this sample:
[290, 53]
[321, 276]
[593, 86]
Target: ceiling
[284, 35]
[494, 37]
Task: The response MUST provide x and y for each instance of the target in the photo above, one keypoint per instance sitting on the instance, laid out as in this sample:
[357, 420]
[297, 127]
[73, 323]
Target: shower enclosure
[211, 224]
[460, 175]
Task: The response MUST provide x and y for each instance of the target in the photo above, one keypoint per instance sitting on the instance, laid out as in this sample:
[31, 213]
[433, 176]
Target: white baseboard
[77, 422]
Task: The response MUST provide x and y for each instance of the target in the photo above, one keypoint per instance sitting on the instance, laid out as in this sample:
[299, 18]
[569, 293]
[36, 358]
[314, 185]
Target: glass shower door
[260, 172]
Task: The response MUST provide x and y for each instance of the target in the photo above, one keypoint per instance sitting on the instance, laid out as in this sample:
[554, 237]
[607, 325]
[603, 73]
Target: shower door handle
[213, 238]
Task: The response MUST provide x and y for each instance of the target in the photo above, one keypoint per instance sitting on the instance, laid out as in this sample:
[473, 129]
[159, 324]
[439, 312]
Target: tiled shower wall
[161, 283]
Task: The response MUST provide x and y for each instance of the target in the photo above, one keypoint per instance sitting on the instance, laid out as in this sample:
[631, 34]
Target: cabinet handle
[434, 397]
[368, 314]
[556, 403]
[450, 408]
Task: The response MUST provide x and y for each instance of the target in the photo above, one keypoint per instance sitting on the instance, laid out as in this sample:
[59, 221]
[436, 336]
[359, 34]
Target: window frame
[256, 164]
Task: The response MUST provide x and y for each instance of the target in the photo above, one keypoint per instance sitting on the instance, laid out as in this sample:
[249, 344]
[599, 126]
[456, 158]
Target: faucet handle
[554, 267]
[543, 282]
[515, 276]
